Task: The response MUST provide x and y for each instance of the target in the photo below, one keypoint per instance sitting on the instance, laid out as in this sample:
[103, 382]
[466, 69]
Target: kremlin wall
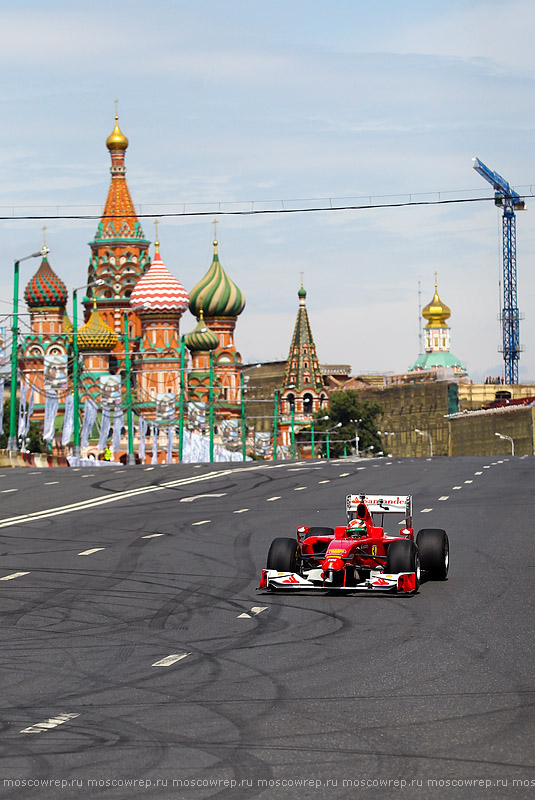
[130, 348]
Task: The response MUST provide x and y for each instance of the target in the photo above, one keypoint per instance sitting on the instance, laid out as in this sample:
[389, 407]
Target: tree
[355, 414]
[35, 443]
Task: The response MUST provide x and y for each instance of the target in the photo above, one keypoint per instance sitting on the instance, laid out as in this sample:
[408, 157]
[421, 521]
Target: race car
[360, 555]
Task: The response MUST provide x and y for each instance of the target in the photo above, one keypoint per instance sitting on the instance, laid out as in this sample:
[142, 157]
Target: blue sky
[268, 102]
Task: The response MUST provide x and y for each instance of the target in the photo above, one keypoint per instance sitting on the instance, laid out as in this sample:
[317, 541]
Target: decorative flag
[51, 409]
[68, 420]
[90, 417]
[104, 428]
[154, 429]
[1, 405]
[30, 409]
[118, 420]
[170, 444]
[142, 435]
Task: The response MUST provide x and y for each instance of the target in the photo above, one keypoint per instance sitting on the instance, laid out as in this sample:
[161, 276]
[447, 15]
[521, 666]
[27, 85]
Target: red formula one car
[360, 555]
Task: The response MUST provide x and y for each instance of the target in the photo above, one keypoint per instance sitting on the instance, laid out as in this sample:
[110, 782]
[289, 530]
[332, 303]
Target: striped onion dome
[201, 338]
[158, 290]
[45, 290]
[216, 294]
[96, 334]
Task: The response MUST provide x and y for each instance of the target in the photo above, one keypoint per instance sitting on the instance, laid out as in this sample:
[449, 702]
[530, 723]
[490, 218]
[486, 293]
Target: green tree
[35, 441]
[354, 413]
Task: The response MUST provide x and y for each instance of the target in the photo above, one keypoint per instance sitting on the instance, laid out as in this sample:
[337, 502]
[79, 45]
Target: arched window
[308, 401]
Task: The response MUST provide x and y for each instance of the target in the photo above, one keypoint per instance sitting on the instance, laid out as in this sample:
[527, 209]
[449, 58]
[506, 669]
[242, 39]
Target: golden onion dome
[96, 334]
[116, 140]
[436, 312]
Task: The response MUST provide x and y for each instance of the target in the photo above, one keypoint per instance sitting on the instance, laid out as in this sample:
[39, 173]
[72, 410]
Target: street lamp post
[357, 437]
[509, 439]
[328, 444]
[130, 459]
[181, 401]
[12, 439]
[211, 406]
[275, 422]
[426, 433]
[242, 396]
[292, 414]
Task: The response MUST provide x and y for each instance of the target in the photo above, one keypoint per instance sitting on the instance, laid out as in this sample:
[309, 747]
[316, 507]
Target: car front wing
[271, 579]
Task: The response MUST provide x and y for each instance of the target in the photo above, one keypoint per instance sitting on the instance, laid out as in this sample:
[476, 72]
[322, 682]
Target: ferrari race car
[360, 555]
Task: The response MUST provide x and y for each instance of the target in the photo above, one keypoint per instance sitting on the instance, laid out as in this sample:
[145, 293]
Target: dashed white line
[478, 473]
[172, 659]
[152, 535]
[13, 575]
[202, 522]
[271, 499]
[50, 483]
[425, 510]
[148, 469]
[456, 487]
[92, 475]
[253, 611]
[199, 496]
[90, 552]
[300, 488]
[487, 467]
[344, 474]
[359, 468]
[240, 511]
[444, 497]
[7, 491]
[327, 481]
[34, 473]
[469, 481]
[53, 722]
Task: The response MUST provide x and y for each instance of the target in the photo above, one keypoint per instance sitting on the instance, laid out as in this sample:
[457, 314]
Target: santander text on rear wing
[381, 504]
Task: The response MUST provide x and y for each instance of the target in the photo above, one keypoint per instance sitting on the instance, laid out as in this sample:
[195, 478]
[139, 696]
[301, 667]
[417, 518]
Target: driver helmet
[356, 528]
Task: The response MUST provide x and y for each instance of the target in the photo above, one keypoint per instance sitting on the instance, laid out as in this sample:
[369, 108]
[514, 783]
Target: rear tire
[284, 555]
[402, 556]
[433, 545]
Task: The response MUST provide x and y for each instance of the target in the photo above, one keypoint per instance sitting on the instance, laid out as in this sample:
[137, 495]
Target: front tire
[433, 545]
[284, 555]
[402, 556]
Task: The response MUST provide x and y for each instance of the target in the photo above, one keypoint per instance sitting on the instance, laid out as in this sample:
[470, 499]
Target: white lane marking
[300, 488]
[53, 722]
[199, 496]
[92, 475]
[172, 659]
[13, 575]
[271, 499]
[327, 481]
[7, 491]
[359, 468]
[254, 611]
[444, 497]
[34, 473]
[202, 522]
[469, 481]
[148, 469]
[89, 552]
[50, 483]
[344, 474]
[240, 511]
[456, 487]
[300, 469]
[478, 473]
[425, 510]
[487, 467]
[500, 462]
[152, 535]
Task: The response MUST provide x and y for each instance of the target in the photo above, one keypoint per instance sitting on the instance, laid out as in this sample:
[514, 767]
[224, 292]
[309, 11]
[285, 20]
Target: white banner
[118, 421]
[90, 417]
[142, 435]
[51, 409]
[68, 421]
[23, 410]
[104, 428]
[154, 431]
[169, 459]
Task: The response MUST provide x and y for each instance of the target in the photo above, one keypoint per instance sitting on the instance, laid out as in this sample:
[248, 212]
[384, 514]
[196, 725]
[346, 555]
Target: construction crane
[510, 201]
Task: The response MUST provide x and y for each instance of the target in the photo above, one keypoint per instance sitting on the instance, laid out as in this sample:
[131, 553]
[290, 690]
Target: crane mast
[505, 197]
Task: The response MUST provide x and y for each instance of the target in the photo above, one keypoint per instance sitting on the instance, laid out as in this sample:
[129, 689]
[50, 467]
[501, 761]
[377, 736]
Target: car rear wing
[381, 504]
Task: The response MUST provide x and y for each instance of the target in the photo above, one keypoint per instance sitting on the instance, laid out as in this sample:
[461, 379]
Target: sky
[281, 105]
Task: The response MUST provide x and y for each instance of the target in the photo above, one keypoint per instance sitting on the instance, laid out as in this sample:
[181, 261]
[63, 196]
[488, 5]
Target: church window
[308, 401]
[294, 364]
[306, 364]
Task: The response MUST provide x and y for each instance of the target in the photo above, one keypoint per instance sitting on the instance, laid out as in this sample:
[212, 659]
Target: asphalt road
[138, 661]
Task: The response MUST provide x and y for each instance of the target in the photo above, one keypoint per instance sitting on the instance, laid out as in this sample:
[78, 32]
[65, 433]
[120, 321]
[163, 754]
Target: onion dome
[436, 311]
[158, 290]
[45, 290]
[302, 293]
[201, 338]
[216, 294]
[116, 140]
[96, 334]
[66, 326]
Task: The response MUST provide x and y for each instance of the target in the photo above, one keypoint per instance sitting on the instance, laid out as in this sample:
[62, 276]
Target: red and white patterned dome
[158, 290]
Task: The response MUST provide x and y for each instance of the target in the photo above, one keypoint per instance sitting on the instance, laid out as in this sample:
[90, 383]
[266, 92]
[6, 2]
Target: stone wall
[475, 433]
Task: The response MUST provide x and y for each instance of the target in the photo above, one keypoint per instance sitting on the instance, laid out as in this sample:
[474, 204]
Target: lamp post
[242, 396]
[509, 439]
[275, 422]
[328, 447]
[426, 433]
[292, 414]
[181, 401]
[76, 368]
[357, 437]
[130, 458]
[312, 441]
[211, 406]
[12, 439]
